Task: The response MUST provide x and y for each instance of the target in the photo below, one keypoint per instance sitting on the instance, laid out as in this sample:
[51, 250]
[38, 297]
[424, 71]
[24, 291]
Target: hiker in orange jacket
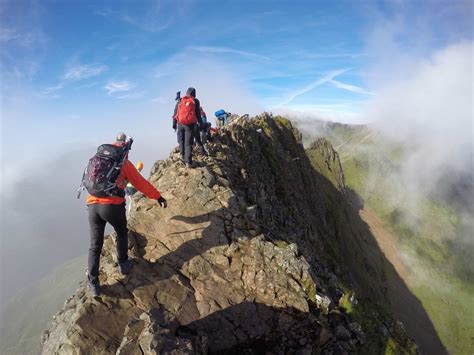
[111, 209]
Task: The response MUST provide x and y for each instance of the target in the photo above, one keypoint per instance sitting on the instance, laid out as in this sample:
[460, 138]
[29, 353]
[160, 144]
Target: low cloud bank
[430, 113]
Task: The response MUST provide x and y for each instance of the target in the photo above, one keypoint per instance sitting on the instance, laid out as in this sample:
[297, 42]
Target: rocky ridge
[237, 262]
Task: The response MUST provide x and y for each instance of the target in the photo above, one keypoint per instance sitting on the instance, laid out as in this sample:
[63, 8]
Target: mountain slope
[25, 317]
[256, 252]
[425, 241]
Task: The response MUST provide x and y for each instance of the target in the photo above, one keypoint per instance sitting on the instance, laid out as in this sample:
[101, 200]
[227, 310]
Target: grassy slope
[27, 315]
[446, 292]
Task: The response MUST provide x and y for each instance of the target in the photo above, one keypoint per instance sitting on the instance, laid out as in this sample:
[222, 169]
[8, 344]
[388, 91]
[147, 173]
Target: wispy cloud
[118, 86]
[84, 71]
[159, 100]
[149, 24]
[326, 78]
[154, 17]
[131, 95]
[349, 87]
[227, 50]
[8, 34]
[334, 55]
[52, 89]
[74, 74]
[30, 38]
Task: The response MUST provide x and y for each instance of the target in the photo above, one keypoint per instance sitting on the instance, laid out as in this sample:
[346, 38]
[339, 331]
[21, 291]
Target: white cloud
[349, 87]
[118, 86]
[156, 17]
[334, 55]
[8, 34]
[52, 89]
[432, 109]
[204, 49]
[83, 71]
[149, 24]
[131, 95]
[328, 77]
[159, 100]
[343, 112]
[73, 74]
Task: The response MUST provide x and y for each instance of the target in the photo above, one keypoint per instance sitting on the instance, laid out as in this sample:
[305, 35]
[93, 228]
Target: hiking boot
[189, 165]
[94, 285]
[125, 267]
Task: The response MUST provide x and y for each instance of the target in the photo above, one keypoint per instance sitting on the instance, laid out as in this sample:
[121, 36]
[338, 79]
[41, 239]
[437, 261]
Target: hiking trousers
[99, 215]
[198, 137]
[186, 138]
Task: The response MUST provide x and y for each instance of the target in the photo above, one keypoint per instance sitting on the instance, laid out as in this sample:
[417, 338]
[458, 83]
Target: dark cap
[191, 92]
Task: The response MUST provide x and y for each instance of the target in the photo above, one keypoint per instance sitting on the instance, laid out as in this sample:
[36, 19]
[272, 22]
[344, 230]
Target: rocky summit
[250, 256]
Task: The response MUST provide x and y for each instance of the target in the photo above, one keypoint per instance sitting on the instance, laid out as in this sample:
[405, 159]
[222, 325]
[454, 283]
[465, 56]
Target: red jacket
[131, 174]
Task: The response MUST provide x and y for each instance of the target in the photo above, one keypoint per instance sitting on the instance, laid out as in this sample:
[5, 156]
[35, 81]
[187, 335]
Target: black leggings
[99, 215]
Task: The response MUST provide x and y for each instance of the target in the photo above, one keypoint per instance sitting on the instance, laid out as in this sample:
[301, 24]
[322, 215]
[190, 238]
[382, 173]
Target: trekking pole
[81, 186]
[79, 191]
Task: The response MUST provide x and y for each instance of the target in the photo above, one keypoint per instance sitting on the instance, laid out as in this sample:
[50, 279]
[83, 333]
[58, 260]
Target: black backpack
[103, 170]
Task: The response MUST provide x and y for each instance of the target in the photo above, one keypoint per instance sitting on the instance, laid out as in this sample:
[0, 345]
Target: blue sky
[73, 58]
[120, 50]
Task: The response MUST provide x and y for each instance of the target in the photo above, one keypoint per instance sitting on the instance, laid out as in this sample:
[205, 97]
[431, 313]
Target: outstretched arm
[140, 183]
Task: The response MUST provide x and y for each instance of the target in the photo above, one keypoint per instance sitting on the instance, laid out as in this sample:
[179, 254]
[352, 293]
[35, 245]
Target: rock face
[328, 162]
[233, 264]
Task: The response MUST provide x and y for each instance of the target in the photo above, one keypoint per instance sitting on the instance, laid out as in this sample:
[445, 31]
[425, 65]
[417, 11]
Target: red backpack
[187, 111]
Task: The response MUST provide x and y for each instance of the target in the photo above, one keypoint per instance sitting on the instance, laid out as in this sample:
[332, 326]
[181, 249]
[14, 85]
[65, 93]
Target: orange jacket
[128, 173]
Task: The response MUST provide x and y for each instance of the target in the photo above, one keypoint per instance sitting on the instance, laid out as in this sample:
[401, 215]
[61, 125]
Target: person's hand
[162, 202]
[175, 126]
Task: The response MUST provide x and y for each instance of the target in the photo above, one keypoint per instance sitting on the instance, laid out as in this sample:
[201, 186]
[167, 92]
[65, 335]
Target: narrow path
[386, 241]
[405, 306]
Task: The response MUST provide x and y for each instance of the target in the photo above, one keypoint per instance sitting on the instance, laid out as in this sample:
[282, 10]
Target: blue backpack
[220, 112]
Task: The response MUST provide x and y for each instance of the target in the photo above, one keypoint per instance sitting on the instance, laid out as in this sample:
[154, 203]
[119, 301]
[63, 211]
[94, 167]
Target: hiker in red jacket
[187, 116]
[111, 208]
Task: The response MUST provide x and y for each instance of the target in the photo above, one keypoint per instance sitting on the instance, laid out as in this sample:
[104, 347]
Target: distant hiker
[105, 178]
[203, 131]
[206, 132]
[197, 136]
[175, 122]
[197, 128]
[130, 190]
[187, 114]
[221, 117]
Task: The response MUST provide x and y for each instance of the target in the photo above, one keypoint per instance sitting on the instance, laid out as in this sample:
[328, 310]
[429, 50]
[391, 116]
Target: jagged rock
[323, 303]
[382, 329]
[229, 266]
[328, 162]
[342, 333]
[154, 333]
[324, 336]
[356, 329]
